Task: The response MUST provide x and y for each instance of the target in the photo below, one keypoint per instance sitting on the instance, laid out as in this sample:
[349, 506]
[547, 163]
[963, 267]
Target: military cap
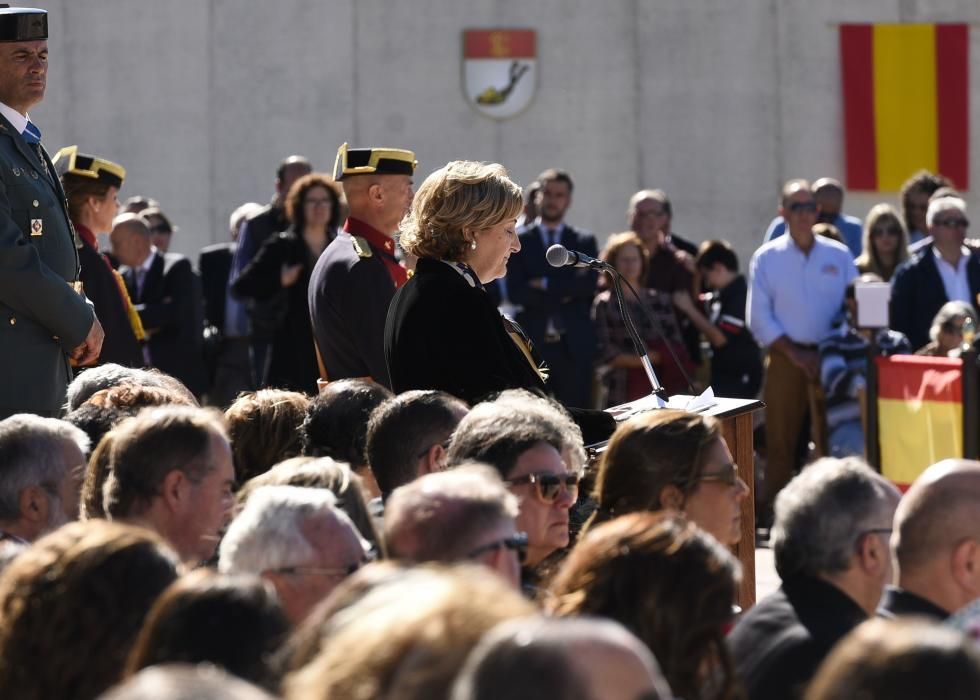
[373, 161]
[68, 161]
[23, 23]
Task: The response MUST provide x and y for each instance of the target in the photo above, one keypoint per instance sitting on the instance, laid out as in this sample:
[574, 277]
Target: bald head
[130, 239]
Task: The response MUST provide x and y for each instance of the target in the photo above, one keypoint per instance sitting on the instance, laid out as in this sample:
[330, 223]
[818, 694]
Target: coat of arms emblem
[499, 70]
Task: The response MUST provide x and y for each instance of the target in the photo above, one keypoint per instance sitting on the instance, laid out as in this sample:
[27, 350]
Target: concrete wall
[717, 103]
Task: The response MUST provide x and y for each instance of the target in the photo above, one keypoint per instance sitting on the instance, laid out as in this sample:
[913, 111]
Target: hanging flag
[906, 103]
[920, 414]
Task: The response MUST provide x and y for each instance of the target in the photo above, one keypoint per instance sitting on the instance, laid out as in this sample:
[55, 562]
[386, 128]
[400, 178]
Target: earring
[473, 245]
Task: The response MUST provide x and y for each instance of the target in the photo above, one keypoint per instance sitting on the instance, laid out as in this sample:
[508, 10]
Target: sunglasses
[516, 543]
[549, 486]
[727, 475]
[797, 207]
[342, 571]
[887, 231]
[952, 223]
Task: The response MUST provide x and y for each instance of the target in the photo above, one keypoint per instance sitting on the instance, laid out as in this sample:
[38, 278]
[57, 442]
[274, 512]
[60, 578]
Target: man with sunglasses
[946, 270]
[829, 196]
[795, 295]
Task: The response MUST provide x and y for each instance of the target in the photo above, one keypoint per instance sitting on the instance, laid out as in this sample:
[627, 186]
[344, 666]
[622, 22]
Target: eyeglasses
[887, 231]
[952, 223]
[516, 543]
[323, 571]
[549, 486]
[727, 475]
[797, 207]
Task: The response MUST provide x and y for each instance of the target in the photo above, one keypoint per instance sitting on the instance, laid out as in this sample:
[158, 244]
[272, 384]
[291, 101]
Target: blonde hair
[868, 260]
[463, 195]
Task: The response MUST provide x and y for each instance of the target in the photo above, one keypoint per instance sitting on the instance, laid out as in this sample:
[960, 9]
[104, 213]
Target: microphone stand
[658, 389]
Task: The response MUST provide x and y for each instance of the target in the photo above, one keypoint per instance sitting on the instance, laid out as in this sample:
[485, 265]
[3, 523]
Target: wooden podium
[735, 416]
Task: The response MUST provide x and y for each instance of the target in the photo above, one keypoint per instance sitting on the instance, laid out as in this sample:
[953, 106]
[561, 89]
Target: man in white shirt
[796, 292]
[945, 270]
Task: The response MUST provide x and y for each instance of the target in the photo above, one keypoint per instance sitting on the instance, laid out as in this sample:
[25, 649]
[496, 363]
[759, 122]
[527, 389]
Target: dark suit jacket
[918, 294]
[41, 317]
[778, 645]
[172, 315]
[897, 602]
[569, 292]
[214, 262]
[120, 344]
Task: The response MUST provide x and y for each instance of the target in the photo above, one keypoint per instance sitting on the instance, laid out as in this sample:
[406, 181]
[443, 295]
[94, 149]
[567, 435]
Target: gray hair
[441, 516]
[106, 376]
[267, 534]
[941, 204]
[822, 513]
[554, 415]
[184, 681]
[241, 213]
[30, 455]
[544, 657]
[950, 311]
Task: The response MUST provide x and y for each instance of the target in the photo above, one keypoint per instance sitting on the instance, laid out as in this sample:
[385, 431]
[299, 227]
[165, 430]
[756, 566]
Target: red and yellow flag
[920, 414]
[906, 103]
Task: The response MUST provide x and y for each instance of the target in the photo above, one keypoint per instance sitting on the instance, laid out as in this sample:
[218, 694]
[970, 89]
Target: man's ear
[873, 554]
[965, 565]
[35, 504]
[174, 490]
[433, 460]
[376, 193]
[671, 497]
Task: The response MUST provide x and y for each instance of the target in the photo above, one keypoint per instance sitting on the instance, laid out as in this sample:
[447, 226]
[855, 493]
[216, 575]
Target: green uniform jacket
[42, 317]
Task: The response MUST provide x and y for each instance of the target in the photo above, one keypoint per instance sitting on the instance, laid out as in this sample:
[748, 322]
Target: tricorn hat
[373, 161]
[23, 23]
[68, 161]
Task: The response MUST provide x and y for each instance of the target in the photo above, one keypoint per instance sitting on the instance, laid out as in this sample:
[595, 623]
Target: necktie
[32, 135]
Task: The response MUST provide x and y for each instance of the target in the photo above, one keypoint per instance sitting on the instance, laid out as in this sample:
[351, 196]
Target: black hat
[23, 23]
[68, 161]
[373, 161]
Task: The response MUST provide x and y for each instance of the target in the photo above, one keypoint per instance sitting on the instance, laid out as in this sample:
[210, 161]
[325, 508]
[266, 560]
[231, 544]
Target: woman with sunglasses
[669, 459]
[670, 584]
[884, 244]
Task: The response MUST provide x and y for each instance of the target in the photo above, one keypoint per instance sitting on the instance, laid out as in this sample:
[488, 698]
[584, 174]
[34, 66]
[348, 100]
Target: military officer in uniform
[357, 275]
[45, 321]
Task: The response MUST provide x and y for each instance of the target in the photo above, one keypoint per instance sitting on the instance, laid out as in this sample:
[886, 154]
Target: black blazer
[918, 294]
[120, 344]
[173, 317]
[214, 262]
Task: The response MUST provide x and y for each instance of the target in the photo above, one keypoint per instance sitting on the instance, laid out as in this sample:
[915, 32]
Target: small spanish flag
[920, 414]
[906, 103]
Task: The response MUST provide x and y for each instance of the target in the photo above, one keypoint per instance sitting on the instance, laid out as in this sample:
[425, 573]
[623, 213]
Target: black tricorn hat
[23, 23]
[373, 161]
[68, 161]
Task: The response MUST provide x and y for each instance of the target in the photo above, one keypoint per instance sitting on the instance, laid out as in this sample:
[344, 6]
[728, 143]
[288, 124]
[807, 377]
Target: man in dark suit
[945, 270]
[167, 295]
[556, 302]
[44, 320]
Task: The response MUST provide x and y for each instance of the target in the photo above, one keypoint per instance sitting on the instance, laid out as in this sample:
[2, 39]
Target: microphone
[560, 256]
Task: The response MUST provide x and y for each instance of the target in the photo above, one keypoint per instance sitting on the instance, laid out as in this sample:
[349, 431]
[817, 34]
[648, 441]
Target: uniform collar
[356, 227]
[17, 120]
[86, 234]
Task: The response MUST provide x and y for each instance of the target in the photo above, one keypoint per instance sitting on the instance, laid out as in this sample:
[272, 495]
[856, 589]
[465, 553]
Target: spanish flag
[920, 414]
[906, 103]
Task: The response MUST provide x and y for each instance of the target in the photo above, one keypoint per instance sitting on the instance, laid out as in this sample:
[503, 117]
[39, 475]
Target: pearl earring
[473, 245]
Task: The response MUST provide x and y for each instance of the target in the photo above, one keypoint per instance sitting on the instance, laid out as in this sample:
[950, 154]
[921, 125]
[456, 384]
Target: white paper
[872, 304]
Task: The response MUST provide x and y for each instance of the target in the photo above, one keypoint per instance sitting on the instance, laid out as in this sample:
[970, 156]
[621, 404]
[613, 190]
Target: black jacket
[898, 602]
[214, 262]
[120, 344]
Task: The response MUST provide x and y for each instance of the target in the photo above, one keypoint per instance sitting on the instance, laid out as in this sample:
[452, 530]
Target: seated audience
[946, 331]
[677, 460]
[264, 428]
[620, 368]
[934, 543]
[570, 659]
[407, 638]
[884, 243]
[900, 660]
[107, 376]
[95, 421]
[184, 682]
[170, 470]
[42, 461]
[407, 436]
[336, 425]
[232, 622]
[72, 606]
[463, 514]
[670, 584]
[297, 539]
[830, 542]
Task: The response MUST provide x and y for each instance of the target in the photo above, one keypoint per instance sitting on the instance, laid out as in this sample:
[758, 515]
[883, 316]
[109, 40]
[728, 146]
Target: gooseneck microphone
[560, 256]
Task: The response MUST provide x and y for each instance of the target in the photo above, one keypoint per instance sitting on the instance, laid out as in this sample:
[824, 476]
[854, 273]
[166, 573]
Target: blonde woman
[884, 244]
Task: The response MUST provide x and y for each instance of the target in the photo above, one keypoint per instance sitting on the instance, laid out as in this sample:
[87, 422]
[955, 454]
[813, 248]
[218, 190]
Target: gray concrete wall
[715, 102]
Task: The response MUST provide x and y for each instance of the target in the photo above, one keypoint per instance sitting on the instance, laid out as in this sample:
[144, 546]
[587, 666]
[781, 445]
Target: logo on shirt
[830, 270]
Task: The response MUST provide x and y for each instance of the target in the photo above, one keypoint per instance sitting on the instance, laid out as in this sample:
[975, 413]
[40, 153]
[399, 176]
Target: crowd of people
[344, 456]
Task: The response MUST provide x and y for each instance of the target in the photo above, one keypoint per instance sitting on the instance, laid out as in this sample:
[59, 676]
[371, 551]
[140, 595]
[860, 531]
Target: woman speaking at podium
[443, 331]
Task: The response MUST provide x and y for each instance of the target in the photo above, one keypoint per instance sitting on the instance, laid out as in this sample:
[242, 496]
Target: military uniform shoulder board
[362, 247]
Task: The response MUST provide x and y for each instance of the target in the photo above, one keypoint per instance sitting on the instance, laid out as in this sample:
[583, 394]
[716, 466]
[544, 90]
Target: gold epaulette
[362, 247]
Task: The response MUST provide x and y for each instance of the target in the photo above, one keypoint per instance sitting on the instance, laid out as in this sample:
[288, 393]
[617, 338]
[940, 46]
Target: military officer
[44, 319]
[357, 275]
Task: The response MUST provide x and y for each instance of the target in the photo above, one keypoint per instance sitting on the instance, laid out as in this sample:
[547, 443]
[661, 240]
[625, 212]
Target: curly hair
[647, 453]
[461, 197]
[264, 427]
[297, 195]
[72, 606]
[618, 241]
[669, 583]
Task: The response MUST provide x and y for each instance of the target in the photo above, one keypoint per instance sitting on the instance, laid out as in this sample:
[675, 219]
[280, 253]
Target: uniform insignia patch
[361, 247]
[37, 227]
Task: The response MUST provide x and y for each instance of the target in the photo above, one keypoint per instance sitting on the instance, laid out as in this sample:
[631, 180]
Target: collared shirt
[850, 227]
[955, 281]
[143, 270]
[795, 294]
[17, 120]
